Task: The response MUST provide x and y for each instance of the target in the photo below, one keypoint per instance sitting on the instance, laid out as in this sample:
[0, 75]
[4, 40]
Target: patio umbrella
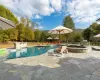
[56, 38]
[97, 36]
[49, 38]
[5, 23]
[60, 30]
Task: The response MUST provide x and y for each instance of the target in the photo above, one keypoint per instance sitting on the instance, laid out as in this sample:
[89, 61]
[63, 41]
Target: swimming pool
[30, 51]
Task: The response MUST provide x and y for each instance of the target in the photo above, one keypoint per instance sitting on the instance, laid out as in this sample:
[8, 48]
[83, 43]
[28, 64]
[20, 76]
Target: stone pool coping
[44, 67]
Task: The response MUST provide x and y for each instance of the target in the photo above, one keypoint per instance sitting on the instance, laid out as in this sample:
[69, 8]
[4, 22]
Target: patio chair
[59, 52]
[96, 48]
[62, 51]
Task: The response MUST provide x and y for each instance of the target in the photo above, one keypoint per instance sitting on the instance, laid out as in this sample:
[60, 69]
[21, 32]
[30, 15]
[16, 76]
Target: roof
[5, 23]
[98, 19]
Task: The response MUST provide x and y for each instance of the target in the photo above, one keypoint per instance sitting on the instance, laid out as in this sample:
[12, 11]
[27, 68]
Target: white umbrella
[97, 36]
[56, 38]
[60, 30]
[49, 38]
[5, 23]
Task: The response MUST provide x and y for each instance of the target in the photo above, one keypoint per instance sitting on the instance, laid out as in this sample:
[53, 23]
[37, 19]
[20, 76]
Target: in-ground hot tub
[77, 49]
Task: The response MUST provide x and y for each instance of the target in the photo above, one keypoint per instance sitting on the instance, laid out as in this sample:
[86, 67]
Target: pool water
[30, 51]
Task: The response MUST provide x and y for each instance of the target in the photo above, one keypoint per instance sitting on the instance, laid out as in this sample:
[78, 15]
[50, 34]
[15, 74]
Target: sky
[50, 13]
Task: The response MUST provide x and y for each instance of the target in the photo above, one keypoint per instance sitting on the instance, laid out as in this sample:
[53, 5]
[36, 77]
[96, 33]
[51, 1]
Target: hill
[76, 30]
[79, 30]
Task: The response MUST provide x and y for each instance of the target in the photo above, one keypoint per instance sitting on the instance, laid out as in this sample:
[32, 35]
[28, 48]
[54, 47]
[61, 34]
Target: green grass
[2, 52]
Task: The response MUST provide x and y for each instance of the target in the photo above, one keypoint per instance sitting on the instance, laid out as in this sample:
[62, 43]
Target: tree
[44, 36]
[68, 22]
[29, 34]
[5, 13]
[37, 34]
[87, 33]
[20, 28]
[77, 37]
[27, 22]
[97, 30]
[93, 26]
[28, 29]
[23, 30]
[1, 35]
[93, 29]
[12, 34]
[4, 37]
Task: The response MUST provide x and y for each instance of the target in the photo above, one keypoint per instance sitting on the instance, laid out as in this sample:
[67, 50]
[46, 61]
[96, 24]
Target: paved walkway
[44, 67]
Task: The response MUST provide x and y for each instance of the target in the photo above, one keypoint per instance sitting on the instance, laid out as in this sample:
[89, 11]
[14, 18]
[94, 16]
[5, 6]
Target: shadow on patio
[70, 69]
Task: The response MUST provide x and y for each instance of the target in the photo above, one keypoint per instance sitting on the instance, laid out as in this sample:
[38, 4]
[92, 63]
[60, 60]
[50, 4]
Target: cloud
[29, 8]
[37, 16]
[83, 11]
[56, 4]
[39, 27]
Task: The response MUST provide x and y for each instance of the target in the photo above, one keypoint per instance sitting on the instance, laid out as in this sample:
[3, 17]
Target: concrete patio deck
[84, 66]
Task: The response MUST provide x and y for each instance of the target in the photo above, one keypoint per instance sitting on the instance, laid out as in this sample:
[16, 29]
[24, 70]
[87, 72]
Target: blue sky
[49, 22]
[50, 13]
[56, 19]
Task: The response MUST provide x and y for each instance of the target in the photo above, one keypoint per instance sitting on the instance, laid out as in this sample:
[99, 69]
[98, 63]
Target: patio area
[84, 66]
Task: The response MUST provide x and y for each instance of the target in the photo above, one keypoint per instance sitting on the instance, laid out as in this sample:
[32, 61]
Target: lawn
[11, 45]
[3, 52]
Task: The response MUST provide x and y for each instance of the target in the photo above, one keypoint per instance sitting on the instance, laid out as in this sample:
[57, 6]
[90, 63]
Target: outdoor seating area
[96, 48]
[49, 39]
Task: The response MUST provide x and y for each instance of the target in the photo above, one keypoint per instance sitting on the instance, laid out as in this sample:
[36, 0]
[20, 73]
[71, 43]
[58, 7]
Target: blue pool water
[28, 52]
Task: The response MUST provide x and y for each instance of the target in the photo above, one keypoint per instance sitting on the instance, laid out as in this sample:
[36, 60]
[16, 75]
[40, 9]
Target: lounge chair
[63, 50]
[96, 48]
[59, 52]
